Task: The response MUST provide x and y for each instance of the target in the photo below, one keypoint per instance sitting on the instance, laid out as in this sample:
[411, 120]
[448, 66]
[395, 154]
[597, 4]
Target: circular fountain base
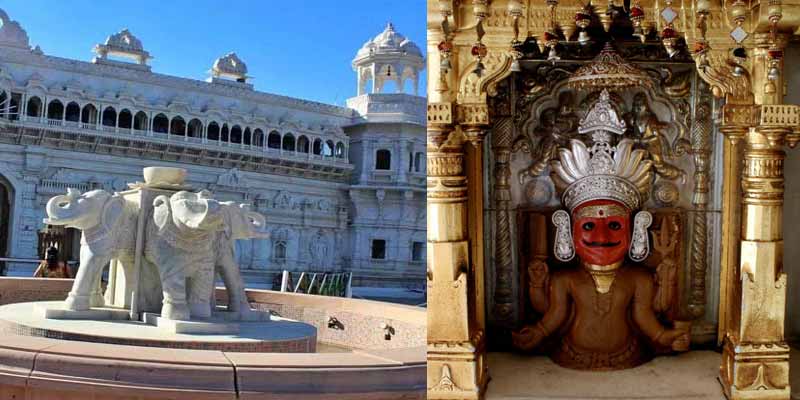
[278, 335]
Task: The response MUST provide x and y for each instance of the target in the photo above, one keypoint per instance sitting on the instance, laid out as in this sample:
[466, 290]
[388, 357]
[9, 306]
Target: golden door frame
[754, 121]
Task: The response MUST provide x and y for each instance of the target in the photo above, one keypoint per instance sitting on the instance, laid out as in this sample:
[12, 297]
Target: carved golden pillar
[729, 290]
[456, 347]
[755, 356]
[755, 359]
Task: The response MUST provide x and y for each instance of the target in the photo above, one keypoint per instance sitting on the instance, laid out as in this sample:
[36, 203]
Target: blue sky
[295, 48]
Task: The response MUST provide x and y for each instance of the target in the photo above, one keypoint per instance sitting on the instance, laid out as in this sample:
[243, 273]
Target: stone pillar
[456, 344]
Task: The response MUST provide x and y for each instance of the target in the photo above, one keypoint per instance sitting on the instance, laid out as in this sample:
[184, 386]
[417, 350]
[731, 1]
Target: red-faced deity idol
[600, 316]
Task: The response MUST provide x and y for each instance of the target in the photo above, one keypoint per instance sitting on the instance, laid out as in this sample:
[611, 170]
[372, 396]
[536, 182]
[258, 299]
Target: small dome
[389, 42]
[230, 64]
[11, 33]
[125, 41]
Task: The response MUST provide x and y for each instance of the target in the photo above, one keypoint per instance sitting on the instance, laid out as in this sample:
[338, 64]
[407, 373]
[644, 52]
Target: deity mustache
[601, 244]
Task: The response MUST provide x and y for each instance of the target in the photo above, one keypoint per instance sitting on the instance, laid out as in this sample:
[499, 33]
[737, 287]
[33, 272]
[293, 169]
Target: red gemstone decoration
[637, 12]
[479, 50]
[775, 54]
[668, 33]
[445, 46]
[582, 15]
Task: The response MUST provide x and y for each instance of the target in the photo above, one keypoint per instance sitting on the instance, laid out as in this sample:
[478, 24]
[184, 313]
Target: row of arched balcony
[109, 119]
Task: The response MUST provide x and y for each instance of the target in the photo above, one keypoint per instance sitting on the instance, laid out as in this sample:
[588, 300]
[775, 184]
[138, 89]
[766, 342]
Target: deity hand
[527, 338]
[676, 339]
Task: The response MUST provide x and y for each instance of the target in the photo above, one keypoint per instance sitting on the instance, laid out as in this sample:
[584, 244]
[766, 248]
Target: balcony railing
[158, 137]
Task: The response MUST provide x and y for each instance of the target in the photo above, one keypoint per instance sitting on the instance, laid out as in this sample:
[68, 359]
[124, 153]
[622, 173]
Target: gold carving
[440, 113]
[446, 383]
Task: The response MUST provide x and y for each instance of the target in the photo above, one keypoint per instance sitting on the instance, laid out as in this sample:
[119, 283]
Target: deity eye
[588, 226]
[614, 225]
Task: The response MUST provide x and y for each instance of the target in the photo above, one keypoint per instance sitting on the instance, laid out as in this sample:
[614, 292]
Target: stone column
[456, 365]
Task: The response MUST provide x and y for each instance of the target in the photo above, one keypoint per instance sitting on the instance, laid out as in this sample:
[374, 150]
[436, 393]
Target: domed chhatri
[389, 56]
[389, 42]
[230, 66]
[122, 44]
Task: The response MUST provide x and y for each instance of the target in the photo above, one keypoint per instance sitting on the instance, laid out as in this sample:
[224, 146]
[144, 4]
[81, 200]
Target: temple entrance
[605, 191]
[666, 117]
[6, 223]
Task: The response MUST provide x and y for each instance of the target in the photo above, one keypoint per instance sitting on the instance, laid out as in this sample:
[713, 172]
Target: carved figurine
[649, 132]
[603, 310]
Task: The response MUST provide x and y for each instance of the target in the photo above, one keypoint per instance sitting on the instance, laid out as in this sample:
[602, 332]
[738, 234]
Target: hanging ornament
[515, 11]
[551, 41]
[669, 38]
[583, 18]
[479, 51]
[637, 16]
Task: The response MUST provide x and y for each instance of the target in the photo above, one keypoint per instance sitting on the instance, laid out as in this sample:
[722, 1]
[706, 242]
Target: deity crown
[604, 170]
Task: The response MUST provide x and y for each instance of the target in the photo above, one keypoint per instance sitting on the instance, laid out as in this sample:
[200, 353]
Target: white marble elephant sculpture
[108, 224]
[239, 223]
[180, 244]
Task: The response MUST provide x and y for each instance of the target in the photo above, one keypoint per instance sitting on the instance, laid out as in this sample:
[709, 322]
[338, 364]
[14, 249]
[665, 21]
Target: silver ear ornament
[564, 249]
[640, 242]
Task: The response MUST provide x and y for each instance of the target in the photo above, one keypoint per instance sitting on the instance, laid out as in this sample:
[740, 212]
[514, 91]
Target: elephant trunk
[61, 210]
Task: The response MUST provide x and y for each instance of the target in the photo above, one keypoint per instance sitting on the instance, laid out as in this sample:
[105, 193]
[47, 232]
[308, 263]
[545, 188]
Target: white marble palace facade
[343, 188]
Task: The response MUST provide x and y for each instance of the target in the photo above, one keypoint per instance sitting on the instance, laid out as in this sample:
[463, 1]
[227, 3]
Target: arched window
[177, 126]
[279, 252]
[236, 134]
[383, 159]
[55, 110]
[274, 140]
[140, 121]
[73, 113]
[327, 150]
[302, 145]
[288, 142]
[212, 133]
[125, 119]
[89, 114]
[419, 162]
[258, 138]
[224, 137]
[109, 116]
[34, 107]
[339, 153]
[248, 138]
[317, 146]
[160, 124]
[195, 128]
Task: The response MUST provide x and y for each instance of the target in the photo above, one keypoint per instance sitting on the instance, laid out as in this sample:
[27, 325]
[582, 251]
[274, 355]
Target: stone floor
[691, 376]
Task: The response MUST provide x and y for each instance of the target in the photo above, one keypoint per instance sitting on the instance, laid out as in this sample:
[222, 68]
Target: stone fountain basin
[371, 368]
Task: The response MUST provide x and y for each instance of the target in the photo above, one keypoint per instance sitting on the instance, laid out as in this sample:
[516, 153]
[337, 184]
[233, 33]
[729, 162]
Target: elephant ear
[161, 212]
[113, 208]
[193, 210]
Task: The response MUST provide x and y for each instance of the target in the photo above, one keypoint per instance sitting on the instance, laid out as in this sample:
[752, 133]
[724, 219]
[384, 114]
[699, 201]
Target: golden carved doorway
[717, 132]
